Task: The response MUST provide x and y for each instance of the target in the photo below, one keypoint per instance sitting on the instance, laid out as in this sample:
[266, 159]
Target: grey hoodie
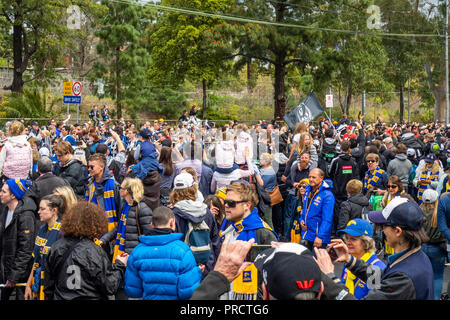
[400, 166]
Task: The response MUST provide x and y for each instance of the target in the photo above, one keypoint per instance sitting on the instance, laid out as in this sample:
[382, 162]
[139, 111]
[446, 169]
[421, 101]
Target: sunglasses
[370, 161]
[391, 186]
[233, 203]
[91, 167]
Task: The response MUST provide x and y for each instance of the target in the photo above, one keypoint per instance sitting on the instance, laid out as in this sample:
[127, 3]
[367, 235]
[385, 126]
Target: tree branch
[294, 60]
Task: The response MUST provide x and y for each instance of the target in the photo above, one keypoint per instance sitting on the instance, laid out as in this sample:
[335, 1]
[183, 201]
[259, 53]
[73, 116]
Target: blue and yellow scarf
[371, 179]
[108, 197]
[120, 239]
[44, 240]
[433, 176]
[245, 287]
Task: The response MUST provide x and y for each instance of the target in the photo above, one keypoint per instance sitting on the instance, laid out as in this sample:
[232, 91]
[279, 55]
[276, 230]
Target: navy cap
[357, 228]
[431, 157]
[145, 133]
[399, 212]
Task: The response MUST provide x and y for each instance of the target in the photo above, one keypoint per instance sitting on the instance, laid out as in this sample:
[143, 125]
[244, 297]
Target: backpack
[198, 239]
[242, 141]
[225, 154]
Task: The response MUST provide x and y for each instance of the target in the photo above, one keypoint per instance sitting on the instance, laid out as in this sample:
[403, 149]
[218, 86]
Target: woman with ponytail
[435, 248]
[135, 216]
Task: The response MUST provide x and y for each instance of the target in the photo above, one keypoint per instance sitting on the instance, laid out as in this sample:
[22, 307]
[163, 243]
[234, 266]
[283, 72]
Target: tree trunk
[204, 98]
[118, 96]
[348, 101]
[402, 104]
[249, 75]
[438, 94]
[17, 84]
[279, 95]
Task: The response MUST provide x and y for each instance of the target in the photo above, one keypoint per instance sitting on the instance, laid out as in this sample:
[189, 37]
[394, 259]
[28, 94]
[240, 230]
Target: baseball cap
[429, 196]
[399, 212]
[410, 152]
[357, 228]
[430, 157]
[35, 123]
[183, 180]
[289, 270]
[221, 193]
[145, 133]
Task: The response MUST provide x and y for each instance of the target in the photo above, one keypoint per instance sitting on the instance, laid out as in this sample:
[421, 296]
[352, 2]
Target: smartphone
[332, 253]
[255, 250]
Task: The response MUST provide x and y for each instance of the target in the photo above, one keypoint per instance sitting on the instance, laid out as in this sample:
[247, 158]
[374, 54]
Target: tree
[124, 56]
[405, 54]
[182, 49]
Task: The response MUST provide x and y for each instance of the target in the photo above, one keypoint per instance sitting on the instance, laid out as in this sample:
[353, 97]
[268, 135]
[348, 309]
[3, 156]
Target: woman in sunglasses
[375, 180]
[394, 188]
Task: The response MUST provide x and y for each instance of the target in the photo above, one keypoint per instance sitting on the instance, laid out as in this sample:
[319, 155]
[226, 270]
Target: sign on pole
[329, 101]
[72, 92]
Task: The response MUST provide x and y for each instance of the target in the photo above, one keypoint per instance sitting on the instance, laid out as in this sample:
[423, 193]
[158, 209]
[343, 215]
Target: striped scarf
[371, 179]
[44, 240]
[245, 287]
[120, 239]
[109, 202]
[351, 281]
[426, 175]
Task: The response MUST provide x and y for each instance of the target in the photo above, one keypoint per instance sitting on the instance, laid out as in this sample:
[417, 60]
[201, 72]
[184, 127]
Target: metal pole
[446, 64]
[364, 102]
[408, 100]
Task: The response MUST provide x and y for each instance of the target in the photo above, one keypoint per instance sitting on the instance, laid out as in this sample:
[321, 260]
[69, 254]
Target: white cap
[183, 180]
[429, 196]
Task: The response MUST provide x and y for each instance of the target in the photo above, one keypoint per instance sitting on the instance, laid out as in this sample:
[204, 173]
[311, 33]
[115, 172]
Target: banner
[306, 111]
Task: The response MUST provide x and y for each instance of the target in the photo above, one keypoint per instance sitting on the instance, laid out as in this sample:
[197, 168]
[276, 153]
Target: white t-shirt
[296, 138]
[9, 218]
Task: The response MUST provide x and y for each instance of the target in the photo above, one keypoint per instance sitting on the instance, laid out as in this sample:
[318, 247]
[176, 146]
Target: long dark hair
[165, 158]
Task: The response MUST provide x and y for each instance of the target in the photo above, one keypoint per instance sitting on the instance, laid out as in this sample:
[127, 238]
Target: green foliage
[28, 104]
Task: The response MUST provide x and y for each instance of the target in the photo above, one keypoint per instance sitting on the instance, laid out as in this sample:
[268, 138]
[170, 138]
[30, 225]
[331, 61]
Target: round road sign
[76, 89]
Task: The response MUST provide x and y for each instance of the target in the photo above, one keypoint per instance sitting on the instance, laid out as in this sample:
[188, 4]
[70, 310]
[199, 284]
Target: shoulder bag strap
[137, 220]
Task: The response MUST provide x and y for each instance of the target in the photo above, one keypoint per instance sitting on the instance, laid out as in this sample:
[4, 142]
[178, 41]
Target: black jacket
[86, 274]
[17, 241]
[351, 209]
[74, 174]
[342, 170]
[131, 230]
[44, 185]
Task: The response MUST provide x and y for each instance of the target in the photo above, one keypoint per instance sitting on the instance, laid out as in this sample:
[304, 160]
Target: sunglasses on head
[233, 203]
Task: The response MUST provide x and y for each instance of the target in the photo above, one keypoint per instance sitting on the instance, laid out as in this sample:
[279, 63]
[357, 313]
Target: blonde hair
[266, 158]
[354, 186]
[428, 207]
[68, 196]
[16, 128]
[135, 187]
[245, 191]
[301, 147]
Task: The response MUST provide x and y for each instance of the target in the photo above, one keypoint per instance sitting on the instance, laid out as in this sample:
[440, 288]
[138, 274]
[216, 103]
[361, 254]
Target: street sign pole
[446, 65]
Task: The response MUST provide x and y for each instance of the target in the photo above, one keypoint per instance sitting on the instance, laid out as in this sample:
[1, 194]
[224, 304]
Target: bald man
[316, 219]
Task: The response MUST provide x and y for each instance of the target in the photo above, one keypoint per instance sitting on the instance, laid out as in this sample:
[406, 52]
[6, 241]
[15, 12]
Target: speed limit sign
[76, 89]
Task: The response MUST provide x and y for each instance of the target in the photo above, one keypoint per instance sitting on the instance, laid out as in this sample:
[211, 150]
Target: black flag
[306, 111]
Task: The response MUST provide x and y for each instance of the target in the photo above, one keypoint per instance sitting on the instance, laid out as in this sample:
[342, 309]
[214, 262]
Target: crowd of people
[120, 210]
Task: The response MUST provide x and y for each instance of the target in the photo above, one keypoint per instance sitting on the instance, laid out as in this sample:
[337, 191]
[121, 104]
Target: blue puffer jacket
[162, 267]
[443, 216]
[318, 214]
